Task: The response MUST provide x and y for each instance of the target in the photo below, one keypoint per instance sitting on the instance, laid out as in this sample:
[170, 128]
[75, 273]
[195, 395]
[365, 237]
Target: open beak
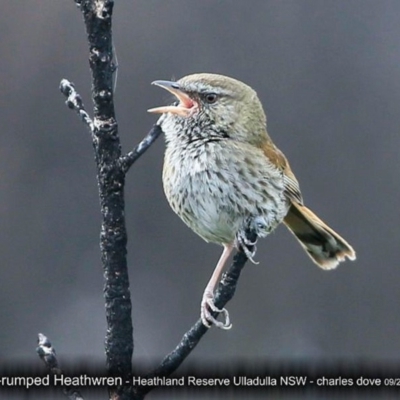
[185, 105]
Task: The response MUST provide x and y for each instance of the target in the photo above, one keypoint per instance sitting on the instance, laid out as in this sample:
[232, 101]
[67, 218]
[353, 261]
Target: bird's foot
[207, 307]
[245, 244]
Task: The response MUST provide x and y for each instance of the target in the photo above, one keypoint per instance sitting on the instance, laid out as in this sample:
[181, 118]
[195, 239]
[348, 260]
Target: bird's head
[217, 105]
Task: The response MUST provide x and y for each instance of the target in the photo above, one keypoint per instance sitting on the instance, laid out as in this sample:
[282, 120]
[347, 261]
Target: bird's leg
[245, 243]
[207, 303]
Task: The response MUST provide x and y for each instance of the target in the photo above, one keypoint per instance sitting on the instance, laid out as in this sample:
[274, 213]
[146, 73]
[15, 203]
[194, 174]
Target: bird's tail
[325, 247]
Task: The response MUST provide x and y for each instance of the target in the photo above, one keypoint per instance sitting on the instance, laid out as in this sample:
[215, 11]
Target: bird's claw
[207, 307]
[245, 243]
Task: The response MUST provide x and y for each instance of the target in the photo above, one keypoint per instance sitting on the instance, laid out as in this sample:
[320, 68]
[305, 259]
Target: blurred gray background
[328, 75]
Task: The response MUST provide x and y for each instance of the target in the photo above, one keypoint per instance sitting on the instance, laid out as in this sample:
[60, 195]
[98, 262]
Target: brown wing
[276, 157]
[325, 247]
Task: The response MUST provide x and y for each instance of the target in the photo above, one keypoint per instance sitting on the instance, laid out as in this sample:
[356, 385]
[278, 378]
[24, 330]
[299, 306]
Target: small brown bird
[222, 173]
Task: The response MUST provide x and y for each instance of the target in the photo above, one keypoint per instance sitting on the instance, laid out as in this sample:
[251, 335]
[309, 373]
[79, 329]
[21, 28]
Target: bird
[223, 174]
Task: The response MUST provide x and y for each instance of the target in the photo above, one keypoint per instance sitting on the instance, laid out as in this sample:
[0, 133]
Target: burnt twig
[225, 292]
[127, 160]
[48, 355]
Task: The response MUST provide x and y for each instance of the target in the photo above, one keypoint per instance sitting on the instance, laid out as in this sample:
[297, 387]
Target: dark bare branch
[111, 180]
[74, 102]
[225, 292]
[48, 355]
[127, 160]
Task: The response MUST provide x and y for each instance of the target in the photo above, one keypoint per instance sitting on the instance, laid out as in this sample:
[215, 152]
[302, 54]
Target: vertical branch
[119, 338]
[111, 170]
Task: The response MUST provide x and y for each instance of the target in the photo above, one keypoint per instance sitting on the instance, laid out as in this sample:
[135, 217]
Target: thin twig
[225, 292]
[127, 160]
[48, 355]
[74, 102]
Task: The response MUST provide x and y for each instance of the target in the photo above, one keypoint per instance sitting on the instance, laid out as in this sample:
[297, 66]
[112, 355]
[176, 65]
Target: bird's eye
[210, 98]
